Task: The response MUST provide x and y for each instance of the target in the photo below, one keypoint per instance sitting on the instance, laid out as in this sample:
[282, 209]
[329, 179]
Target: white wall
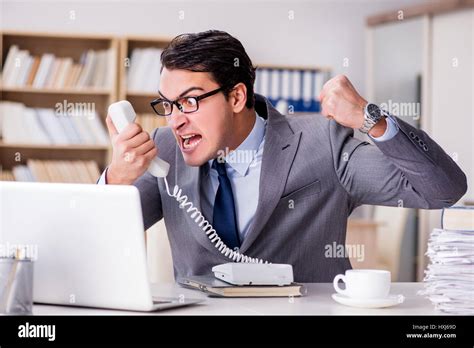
[396, 65]
[452, 97]
[452, 122]
[322, 33]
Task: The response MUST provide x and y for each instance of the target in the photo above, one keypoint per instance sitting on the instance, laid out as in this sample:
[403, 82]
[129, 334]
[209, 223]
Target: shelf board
[58, 35]
[95, 91]
[292, 67]
[151, 39]
[48, 147]
[152, 95]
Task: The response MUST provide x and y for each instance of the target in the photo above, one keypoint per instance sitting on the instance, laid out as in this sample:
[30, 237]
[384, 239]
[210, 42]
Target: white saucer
[389, 301]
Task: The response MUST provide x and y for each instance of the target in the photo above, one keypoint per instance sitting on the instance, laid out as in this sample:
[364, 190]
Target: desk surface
[318, 301]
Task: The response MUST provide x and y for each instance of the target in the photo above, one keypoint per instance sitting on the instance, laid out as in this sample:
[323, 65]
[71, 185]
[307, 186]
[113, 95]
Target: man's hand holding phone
[133, 151]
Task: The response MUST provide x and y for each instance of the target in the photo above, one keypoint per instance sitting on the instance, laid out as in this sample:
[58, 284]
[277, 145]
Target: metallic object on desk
[16, 286]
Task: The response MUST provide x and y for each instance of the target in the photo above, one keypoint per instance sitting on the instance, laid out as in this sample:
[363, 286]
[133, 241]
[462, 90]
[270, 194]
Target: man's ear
[238, 97]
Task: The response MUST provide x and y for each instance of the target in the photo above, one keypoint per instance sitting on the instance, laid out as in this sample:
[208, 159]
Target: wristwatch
[372, 115]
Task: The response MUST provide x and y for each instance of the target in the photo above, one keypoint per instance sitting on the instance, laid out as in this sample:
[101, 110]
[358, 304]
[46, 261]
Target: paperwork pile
[449, 279]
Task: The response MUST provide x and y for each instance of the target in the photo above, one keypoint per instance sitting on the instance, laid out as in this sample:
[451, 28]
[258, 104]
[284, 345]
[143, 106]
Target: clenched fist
[341, 102]
[133, 150]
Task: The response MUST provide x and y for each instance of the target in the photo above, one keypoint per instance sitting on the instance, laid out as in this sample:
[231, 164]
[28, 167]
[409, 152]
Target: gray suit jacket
[314, 173]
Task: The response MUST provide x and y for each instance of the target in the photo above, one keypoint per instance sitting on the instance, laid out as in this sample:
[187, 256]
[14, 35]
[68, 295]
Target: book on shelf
[75, 171]
[144, 70]
[22, 173]
[291, 90]
[149, 121]
[6, 175]
[449, 279]
[24, 125]
[96, 69]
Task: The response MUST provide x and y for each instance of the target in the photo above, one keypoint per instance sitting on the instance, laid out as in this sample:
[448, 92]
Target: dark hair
[215, 52]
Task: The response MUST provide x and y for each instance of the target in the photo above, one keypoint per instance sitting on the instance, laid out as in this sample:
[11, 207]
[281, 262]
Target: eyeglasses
[187, 105]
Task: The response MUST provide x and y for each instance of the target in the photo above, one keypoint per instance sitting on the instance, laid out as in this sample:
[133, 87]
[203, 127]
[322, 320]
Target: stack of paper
[449, 280]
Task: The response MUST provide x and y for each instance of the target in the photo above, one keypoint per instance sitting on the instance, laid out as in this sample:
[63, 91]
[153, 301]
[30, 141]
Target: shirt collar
[240, 159]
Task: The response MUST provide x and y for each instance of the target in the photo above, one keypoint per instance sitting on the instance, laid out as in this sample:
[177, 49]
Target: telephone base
[254, 273]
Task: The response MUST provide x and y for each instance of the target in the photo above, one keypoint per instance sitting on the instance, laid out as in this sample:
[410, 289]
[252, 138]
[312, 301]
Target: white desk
[318, 301]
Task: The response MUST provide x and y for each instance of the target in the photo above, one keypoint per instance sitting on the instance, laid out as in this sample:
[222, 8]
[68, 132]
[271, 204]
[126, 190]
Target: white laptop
[90, 244]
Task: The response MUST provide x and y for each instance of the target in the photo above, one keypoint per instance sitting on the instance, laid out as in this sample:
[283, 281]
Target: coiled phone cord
[211, 233]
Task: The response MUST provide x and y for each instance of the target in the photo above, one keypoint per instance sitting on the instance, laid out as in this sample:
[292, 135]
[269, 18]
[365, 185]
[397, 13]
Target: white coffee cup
[364, 283]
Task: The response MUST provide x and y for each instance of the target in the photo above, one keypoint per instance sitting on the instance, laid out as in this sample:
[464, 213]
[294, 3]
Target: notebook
[219, 288]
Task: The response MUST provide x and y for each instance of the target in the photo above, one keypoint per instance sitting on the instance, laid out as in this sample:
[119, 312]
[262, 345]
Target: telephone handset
[122, 114]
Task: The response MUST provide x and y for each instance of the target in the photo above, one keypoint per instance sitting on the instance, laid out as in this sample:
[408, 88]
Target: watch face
[374, 112]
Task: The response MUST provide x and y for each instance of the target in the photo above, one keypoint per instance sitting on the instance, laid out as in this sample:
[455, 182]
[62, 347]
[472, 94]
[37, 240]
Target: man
[300, 178]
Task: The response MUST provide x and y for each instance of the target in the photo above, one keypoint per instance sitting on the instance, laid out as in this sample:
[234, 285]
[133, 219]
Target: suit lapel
[280, 148]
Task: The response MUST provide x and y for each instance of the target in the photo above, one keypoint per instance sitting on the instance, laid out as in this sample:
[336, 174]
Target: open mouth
[190, 141]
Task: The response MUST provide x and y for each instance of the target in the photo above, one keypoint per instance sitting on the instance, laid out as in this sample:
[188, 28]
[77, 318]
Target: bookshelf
[293, 90]
[62, 46]
[264, 65]
[73, 47]
[139, 98]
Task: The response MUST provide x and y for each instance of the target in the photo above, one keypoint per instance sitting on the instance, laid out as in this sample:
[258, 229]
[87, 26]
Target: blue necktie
[224, 219]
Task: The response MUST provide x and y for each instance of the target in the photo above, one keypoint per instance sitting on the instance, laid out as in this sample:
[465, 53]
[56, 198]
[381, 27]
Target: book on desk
[219, 288]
